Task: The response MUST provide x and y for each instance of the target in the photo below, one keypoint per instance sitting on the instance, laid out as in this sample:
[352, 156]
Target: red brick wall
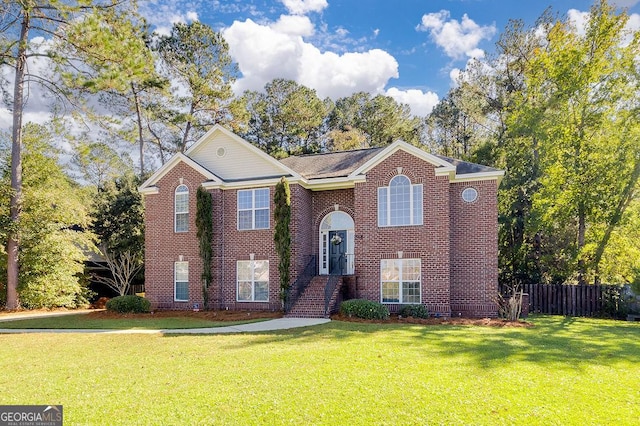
[474, 250]
[238, 245]
[163, 246]
[301, 228]
[457, 243]
[429, 242]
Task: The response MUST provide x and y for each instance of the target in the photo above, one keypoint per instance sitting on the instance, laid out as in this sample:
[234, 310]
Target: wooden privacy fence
[571, 300]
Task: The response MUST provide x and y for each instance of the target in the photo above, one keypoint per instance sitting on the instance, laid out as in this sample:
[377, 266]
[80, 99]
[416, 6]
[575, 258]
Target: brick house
[395, 225]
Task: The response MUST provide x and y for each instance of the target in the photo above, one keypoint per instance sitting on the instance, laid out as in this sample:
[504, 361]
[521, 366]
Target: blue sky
[409, 49]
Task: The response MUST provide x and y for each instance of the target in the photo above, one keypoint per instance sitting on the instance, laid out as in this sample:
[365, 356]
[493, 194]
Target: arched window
[400, 203]
[181, 208]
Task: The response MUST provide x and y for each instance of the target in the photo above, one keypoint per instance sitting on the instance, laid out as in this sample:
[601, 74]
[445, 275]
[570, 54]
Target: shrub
[124, 304]
[366, 309]
[416, 311]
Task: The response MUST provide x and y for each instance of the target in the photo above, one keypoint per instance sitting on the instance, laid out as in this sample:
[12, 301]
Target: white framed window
[400, 280]
[253, 209]
[253, 280]
[400, 203]
[181, 281]
[469, 195]
[181, 209]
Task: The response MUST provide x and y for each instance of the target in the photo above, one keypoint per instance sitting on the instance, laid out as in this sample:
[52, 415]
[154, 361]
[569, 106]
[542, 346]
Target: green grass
[564, 371]
[82, 321]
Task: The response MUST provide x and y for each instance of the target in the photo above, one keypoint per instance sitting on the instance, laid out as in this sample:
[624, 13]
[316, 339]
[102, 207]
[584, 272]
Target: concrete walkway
[270, 325]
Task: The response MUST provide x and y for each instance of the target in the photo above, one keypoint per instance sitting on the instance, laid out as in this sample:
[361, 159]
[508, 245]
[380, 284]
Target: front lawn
[562, 371]
[157, 321]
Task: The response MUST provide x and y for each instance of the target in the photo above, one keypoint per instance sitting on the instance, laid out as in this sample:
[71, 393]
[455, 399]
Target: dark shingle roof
[330, 165]
[465, 167]
[343, 163]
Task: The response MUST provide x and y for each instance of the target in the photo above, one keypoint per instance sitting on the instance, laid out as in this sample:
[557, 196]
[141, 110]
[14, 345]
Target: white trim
[311, 184]
[324, 244]
[413, 221]
[253, 209]
[175, 281]
[175, 208]
[401, 300]
[477, 177]
[252, 266]
[145, 188]
[442, 167]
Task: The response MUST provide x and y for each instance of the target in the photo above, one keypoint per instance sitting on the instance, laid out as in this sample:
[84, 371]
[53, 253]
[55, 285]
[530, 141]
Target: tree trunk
[187, 129]
[582, 229]
[13, 244]
[136, 101]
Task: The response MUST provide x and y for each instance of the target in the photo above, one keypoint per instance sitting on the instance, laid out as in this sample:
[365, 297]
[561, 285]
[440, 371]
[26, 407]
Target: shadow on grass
[569, 342]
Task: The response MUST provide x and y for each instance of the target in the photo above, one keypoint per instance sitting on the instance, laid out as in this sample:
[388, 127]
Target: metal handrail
[329, 288]
[301, 283]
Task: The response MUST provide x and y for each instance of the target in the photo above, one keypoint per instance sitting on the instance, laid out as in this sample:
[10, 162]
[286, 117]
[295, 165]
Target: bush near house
[129, 304]
[365, 309]
[415, 311]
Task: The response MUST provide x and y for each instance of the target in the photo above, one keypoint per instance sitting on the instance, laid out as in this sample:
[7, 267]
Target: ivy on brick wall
[282, 235]
[204, 232]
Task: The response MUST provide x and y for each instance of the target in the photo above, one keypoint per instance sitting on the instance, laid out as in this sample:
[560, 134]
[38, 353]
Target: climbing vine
[282, 235]
[204, 226]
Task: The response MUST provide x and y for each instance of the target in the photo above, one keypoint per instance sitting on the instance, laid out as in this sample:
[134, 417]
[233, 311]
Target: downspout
[220, 291]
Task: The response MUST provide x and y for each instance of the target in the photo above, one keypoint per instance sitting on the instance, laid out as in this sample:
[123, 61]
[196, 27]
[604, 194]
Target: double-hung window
[181, 209]
[400, 280]
[253, 209]
[181, 282]
[253, 281]
[400, 203]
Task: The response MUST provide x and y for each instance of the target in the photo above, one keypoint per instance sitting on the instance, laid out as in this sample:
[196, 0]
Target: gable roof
[149, 186]
[227, 160]
[329, 165]
[234, 159]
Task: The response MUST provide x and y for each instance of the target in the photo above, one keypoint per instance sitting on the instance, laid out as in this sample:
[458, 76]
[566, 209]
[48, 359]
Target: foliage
[415, 311]
[556, 107]
[118, 216]
[510, 305]
[53, 227]
[204, 233]
[380, 119]
[197, 59]
[615, 302]
[282, 234]
[286, 119]
[19, 21]
[98, 163]
[130, 303]
[366, 309]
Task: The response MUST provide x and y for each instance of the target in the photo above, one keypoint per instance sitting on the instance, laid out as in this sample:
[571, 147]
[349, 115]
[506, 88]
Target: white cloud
[302, 7]
[266, 52]
[192, 16]
[293, 25]
[578, 19]
[457, 39]
[421, 103]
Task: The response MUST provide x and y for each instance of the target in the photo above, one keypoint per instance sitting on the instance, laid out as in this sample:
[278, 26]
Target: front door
[337, 252]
